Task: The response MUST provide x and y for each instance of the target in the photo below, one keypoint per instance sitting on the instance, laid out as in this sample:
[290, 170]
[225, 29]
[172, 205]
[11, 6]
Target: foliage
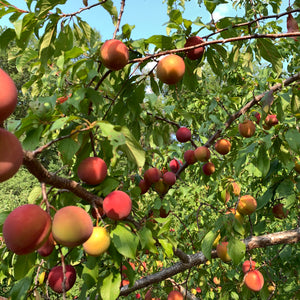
[129, 119]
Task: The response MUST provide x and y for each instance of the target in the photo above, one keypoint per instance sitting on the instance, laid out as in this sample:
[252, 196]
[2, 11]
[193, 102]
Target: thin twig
[119, 18]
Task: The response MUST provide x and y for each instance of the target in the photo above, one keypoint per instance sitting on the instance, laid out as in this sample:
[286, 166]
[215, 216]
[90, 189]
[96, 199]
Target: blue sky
[148, 16]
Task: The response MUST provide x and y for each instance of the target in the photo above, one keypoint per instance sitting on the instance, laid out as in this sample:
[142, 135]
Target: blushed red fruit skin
[11, 155]
[202, 153]
[152, 175]
[246, 205]
[8, 96]
[279, 212]
[92, 170]
[174, 165]
[71, 226]
[144, 186]
[208, 168]
[114, 54]
[56, 277]
[183, 135]
[169, 178]
[258, 117]
[175, 295]
[222, 252]
[254, 280]
[271, 120]
[189, 157]
[47, 248]
[194, 53]
[170, 69]
[117, 205]
[246, 266]
[223, 146]
[26, 228]
[247, 128]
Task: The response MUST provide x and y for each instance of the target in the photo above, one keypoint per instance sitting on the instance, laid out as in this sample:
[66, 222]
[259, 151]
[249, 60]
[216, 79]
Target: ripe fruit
[254, 280]
[196, 53]
[246, 266]
[223, 146]
[11, 154]
[202, 153]
[26, 228]
[222, 252]
[71, 226]
[183, 134]
[270, 120]
[98, 242]
[279, 211]
[189, 157]
[247, 205]
[47, 248]
[208, 168]
[257, 115]
[247, 128]
[94, 211]
[8, 96]
[117, 205]
[152, 175]
[169, 178]
[144, 186]
[175, 295]
[92, 170]
[170, 69]
[56, 277]
[174, 165]
[236, 188]
[114, 54]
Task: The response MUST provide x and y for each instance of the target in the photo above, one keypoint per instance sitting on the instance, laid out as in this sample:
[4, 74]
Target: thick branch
[35, 167]
[284, 237]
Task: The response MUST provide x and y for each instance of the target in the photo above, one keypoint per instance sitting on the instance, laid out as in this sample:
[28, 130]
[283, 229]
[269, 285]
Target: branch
[35, 167]
[119, 18]
[284, 237]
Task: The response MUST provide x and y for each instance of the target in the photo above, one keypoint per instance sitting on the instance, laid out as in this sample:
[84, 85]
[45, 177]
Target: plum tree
[71, 226]
[202, 153]
[196, 53]
[169, 178]
[170, 69]
[11, 155]
[92, 170]
[254, 280]
[223, 146]
[247, 128]
[175, 295]
[8, 97]
[114, 54]
[26, 228]
[98, 242]
[246, 205]
[183, 134]
[174, 165]
[117, 205]
[208, 168]
[56, 278]
[189, 157]
[152, 175]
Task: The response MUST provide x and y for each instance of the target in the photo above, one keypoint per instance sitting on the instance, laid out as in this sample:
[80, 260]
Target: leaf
[32, 139]
[147, 240]
[68, 148]
[167, 247]
[207, 243]
[292, 136]
[109, 6]
[90, 272]
[20, 288]
[161, 41]
[214, 61]
[212, 4]
[35, 193]
[236, 250]
[270, 53]
[264, 199]
[110, 289]
[23, 265]
[263, 160]
[125, 241]
[267, 101]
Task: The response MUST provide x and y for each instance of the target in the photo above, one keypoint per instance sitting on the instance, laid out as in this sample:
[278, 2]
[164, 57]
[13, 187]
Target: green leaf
[125, 241]
[167, 247]
[264, 199]
[35, 193]
[212, 4]
[214, 61]
[236, 250]
[176, 16]
[147, 240]
[68, 148]
[109, 6]
[23, 265]
[110, 289]
[207, 243]
[270, 53]
[161, 41]
[132, 148]
[90, 272]
[292, 137]
[263, 160]
[32, 139]
[20, 288]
